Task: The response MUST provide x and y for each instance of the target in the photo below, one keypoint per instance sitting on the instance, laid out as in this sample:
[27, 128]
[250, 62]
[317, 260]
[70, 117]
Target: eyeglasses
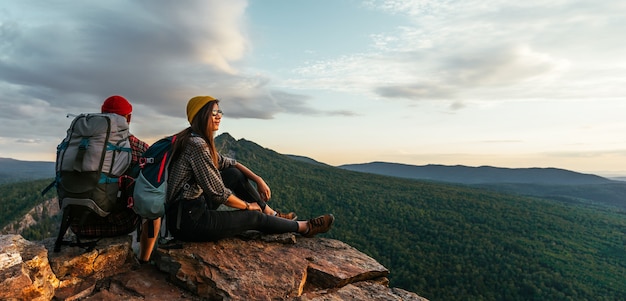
[217, 112]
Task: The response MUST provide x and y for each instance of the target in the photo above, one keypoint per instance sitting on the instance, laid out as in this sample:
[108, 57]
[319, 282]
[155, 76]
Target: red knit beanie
[118, 105]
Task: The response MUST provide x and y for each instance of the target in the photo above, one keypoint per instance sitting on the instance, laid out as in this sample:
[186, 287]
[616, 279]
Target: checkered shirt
[195, 166]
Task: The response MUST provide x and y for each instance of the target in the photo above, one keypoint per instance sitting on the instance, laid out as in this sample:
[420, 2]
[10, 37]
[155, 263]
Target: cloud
[453, 52]
[156, 53]
[136, 48]
[415, 91]
[454, 74]
[297, 104]
[66, 57]
[270, 102]
[27, 108]
[500, 66]
[27, 141]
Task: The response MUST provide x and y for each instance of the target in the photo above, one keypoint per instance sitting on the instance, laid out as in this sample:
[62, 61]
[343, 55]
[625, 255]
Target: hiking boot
[319, 225]
[290, 216]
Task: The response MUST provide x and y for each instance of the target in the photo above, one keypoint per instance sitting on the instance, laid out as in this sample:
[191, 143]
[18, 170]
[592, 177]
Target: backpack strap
[179, 204]
[65, 224]
[104, 179]
[113, 147]
[52, 184]
[62, 146]
[151, 233]
[179, 214]
[80, 156]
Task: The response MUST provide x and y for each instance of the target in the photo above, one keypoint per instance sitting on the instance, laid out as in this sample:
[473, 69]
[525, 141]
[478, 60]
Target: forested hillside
[452, 242]
[18, 198]
[449, 242]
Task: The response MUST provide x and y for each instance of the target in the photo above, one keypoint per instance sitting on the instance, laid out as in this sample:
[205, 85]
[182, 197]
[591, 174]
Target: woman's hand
[237, 203]
[264, 190]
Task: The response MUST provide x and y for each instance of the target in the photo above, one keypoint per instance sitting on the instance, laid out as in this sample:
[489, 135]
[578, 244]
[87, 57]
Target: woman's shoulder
[197, 141]
[196, 144]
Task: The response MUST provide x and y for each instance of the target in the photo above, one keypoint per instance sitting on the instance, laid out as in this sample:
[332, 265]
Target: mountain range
[550, 183]
[479, 175]
[12, 170]
[553, 183]
[444, 241]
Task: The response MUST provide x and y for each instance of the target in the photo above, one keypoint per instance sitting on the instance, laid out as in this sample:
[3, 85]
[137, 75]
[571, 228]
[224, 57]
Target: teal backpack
[150, 192]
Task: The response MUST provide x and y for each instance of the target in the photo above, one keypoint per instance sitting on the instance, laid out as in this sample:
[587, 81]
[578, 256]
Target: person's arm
[235, 202]
[262, 187]
[205, 174]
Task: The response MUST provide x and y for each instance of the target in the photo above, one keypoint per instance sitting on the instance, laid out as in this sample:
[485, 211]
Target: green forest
[17, 198]
[441, 241]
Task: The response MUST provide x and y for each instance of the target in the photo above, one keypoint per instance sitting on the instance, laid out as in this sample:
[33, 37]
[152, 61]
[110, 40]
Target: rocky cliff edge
[251, 267]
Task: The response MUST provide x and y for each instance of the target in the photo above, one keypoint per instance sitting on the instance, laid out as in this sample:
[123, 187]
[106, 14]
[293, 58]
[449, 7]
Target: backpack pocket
[149, 200]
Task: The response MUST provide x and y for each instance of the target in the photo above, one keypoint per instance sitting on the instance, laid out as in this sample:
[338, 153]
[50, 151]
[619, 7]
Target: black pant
[199, 223]
[237, 182]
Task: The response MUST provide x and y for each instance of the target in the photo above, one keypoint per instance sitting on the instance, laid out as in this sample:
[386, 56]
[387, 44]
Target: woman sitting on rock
[196, 187]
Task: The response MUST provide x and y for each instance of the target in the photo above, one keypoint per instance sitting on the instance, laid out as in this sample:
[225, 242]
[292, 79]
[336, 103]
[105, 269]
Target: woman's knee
[232, 175]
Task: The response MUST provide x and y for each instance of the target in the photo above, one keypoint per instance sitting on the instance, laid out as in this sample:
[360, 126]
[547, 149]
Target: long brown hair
[200, 125]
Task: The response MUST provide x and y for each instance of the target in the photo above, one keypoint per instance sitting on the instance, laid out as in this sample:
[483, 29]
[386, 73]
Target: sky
[498, 83]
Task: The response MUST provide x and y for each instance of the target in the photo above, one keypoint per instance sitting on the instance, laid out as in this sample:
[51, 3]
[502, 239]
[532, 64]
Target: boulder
[79, 269]
[24, 270]
[109, 257]
[276, 267]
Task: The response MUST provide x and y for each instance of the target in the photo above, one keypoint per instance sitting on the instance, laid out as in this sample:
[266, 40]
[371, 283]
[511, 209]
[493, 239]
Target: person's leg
[146, 243]
[236, 181]
[231, 223]
[197, 223]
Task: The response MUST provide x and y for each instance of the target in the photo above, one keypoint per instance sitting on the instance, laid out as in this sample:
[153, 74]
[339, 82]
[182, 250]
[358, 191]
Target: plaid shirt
[114, 224]
[195, 166]
[118, 222]
[138, 147]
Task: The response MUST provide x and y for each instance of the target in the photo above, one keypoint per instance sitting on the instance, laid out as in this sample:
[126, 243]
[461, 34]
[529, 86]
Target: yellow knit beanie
[195, 104]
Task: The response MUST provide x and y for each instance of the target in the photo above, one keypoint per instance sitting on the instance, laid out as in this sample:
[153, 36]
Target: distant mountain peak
[226, 137]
